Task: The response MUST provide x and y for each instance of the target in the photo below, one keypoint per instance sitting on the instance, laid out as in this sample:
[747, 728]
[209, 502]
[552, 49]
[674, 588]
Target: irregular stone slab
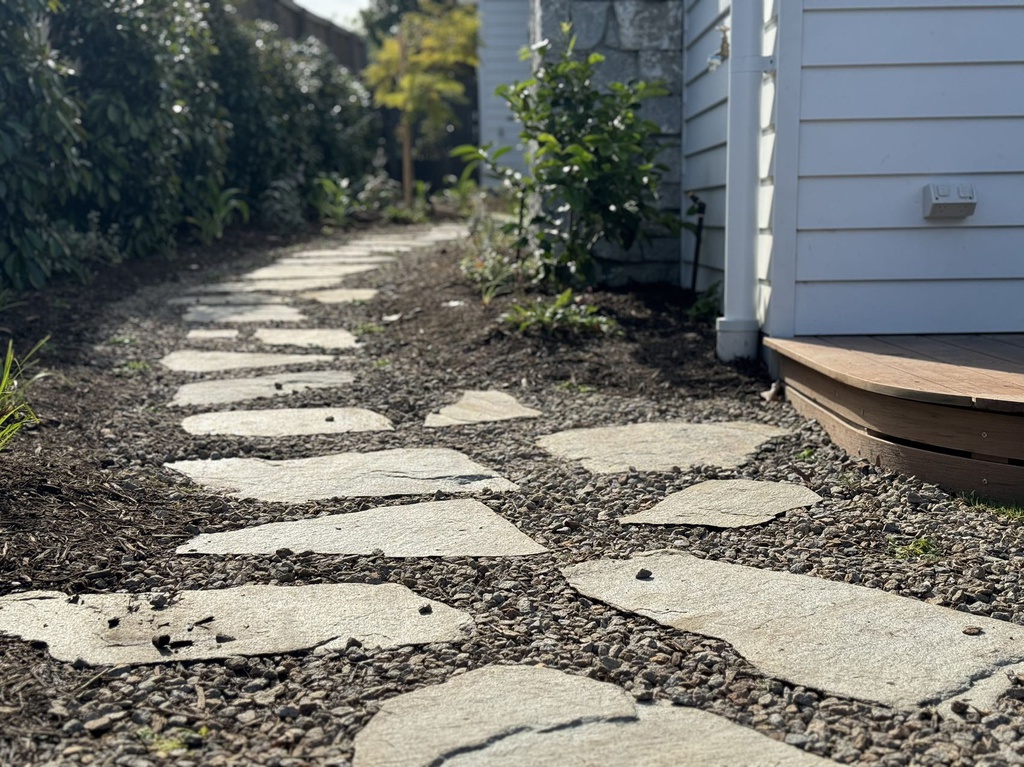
[414, 471]
[340, 295]
[333, 257]
[455, 528]
[510, 716]
[844, 639]
[726, 503]
[225, 391]
[120, 629]
[323, 338]
[287, 422]
[660, 446]
[273, 286]
[194, 361]
[237, 313]
[291, 271]
[480, 407]
[212, 334]
[226, 299]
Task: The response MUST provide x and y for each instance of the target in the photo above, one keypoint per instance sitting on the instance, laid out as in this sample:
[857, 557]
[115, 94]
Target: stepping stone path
[480, 407]
[838, 638]
[844, 639]
[287, 422]
[413, 471]
[118, 629]
[725, 503]
[660, 446]
[457, 528]
[510, 716]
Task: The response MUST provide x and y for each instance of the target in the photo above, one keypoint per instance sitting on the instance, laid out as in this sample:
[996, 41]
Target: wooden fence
[298, 24]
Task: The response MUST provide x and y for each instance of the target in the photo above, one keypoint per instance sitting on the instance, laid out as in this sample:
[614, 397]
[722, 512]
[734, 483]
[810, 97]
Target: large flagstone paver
[510, 716]
[340, 295]
[323, 338]
[272, 286]
[726, 503]
[334, 257]
[455, 528]
[226, 299]
[287, 422]
[227, 390]
[240, 313]
[305, 271]
[480, 407]
[413, 471]
[120, 629]
[197, 361]
[843, 639]
[660, 446]
[212, 334]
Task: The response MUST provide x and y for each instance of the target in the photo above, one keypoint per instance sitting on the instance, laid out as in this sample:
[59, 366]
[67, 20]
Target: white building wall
[504, 31]
[877, 98]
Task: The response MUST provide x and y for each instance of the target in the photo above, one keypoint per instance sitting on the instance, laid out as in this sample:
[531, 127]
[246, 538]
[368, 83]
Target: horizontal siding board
[697, 52]
[703, 16]
[862, 308]
[837, 93]
[858, 148]
[879, 202]
[706, 130]
[913, 36]
[889, 5]
[907, 254]
[708, 90]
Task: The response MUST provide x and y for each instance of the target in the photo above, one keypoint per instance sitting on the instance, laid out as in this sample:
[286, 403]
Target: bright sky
[342, 12]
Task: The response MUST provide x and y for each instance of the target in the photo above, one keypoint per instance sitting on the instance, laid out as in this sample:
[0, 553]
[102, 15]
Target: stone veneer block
[413, 471]
[212, 334]
[511, 716]
[238, 313]
[480, 407]
[843, 639]
[455, 528]
[194, 361]
[726, 503]
[120, 629]
[323, 338]
[340, 295]
[660, 446]
[287, 422]
[306, 271]
[227, 390]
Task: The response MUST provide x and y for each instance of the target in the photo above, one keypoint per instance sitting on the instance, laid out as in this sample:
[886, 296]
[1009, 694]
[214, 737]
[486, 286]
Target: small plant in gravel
[215, 210]
[1010, 511]
[919, 548]
[565, 314]
[369, 328]
[15, 380]
[491, 264]
[806, 454]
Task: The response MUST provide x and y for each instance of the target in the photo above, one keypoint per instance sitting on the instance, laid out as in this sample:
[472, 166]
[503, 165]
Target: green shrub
[15, 411]
[281, 205]
[564, 315]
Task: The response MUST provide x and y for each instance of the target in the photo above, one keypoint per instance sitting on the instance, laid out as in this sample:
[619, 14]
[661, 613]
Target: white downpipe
[738, 329]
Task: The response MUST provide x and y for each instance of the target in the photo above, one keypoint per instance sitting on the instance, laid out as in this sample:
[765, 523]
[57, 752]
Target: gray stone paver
[660, 446]
[306, 271]
[480, 407]
[412, 471]
[456, 528]
[511, 716]
[844, 639]
[212, 334]
[119, 629]
[224, 391]
[340, 295]
[726, 503]
[239, 313]
[323, 338]
[287, 422]
[332, 257]
[226, 299]
[197, 361]
[272, 286]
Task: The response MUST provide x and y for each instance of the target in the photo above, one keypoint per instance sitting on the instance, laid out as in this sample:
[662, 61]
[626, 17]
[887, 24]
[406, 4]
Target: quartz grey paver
[224, 391]
[412, 471]
[241, 313]
[197, 361]
[844, 639]
[272, 286]
[340, 295]
[119, 629]
[460, 527]
[334, 257]
[726, 503]
[287, 422]
[509, 716]
[212, 334]
[323, 338]
[305, 271]
[660, 446]
[480, 407]
[226, 299]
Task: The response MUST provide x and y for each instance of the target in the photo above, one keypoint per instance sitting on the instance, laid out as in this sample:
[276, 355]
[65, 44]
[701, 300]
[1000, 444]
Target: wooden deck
[946, 408]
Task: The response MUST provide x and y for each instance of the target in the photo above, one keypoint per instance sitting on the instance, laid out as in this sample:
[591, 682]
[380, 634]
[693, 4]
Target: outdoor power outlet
[949, 200]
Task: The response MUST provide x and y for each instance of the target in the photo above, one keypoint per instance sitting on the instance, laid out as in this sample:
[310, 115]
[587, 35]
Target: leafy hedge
[128, 118]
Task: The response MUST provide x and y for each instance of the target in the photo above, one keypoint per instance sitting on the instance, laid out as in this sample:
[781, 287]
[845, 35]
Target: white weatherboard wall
[872, 100]
[504, 31]
[705, 105]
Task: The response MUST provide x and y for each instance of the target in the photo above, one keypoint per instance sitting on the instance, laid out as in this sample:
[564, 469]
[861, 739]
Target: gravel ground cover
[86, 506]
